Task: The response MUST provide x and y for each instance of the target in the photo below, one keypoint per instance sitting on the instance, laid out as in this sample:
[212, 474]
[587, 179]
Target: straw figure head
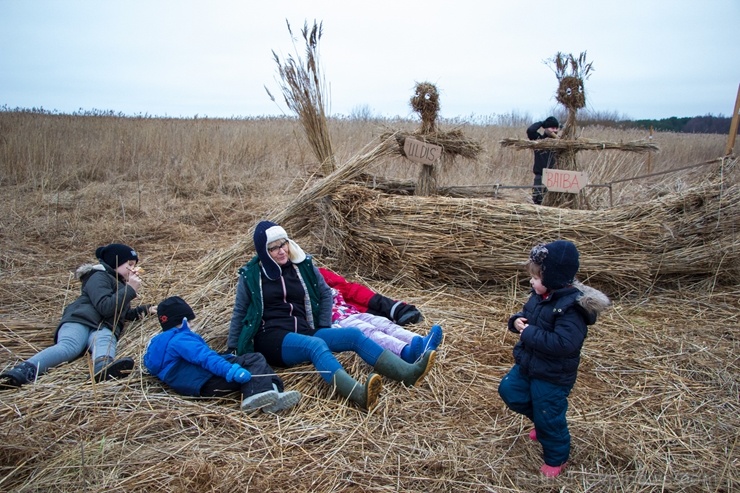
[571, 73]
[570, 93]
[426, 102]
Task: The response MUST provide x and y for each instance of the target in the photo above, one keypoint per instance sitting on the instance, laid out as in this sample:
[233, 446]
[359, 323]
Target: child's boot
[391, 366]
[433, 338]
[552, 471]
[365, 396]
[20, 375]
[413, 349]
[284, 400]
[106, 368]
[255, 402]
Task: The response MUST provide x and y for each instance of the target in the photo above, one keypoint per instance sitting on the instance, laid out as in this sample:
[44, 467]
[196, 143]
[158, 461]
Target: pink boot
[552, 471]
[533, 434]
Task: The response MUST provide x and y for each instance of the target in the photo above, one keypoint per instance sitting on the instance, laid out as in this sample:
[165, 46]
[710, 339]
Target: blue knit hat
[116, 254]
[559, 262]
[265, 233]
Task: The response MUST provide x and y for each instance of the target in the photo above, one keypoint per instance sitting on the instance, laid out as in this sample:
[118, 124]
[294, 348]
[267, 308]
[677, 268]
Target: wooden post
[650, 153]
[733, 125]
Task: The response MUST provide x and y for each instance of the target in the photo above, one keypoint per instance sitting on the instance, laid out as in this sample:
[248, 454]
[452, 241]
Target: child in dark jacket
[379, 317]
[183, 360]
[552, 327]
[94, 321]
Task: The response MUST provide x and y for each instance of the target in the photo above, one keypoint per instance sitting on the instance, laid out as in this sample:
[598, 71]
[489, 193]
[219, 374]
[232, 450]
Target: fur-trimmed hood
[591, 300]
[86, 269]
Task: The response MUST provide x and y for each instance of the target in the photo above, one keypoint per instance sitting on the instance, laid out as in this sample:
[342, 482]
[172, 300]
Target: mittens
[238, 374]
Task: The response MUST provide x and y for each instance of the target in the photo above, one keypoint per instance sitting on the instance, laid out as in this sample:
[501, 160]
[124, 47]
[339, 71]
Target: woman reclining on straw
[283, 310]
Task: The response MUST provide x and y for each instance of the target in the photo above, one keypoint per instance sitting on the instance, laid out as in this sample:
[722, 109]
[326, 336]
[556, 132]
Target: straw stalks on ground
[655, 407]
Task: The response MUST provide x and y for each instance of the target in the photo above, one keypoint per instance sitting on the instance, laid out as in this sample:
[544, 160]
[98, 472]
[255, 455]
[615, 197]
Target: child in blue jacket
[183, 360]
[552, 327]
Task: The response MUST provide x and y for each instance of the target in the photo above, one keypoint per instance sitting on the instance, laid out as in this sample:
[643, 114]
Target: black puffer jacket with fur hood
[550, 347]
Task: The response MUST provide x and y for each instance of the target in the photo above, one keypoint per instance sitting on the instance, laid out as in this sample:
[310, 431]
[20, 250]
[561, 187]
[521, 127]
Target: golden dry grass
[655, 407]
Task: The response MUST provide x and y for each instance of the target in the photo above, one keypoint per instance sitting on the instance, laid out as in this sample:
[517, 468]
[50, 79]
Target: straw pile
[655, 409]
[682, 237]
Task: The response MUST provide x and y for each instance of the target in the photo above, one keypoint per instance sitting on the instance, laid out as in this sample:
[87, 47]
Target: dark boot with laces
[107, 368]
[20, 375]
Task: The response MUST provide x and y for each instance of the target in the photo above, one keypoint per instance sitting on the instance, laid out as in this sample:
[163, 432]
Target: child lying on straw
[94, 321]
[379, 317]
[183, 360]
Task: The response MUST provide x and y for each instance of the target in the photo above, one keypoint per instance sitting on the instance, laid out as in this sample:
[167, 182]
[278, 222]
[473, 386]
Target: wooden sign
[421, 152]
[558, 180]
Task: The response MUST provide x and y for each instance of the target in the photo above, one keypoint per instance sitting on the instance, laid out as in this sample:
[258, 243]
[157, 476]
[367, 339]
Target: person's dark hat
[551, 122]
[559, 263]
[172, 310]
[116, 254]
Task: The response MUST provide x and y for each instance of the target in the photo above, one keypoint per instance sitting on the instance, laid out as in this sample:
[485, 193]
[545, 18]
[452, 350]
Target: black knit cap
[559, 262]
[116, 254]
[172, 310]
[550, 122]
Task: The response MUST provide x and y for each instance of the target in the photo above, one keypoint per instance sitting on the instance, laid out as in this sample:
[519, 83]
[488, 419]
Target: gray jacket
[104, 301]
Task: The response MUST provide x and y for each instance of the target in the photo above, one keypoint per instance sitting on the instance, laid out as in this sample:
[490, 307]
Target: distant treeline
[708, 124]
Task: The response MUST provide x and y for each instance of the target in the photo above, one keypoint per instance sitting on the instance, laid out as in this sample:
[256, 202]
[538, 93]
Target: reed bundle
[638, 146]
[453, 142]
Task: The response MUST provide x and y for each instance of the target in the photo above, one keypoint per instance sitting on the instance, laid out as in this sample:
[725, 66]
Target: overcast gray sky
[651, 58]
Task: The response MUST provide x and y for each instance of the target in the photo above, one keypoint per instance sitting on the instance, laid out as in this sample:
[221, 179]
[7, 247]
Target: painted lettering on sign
[421, 152]
[558, 180]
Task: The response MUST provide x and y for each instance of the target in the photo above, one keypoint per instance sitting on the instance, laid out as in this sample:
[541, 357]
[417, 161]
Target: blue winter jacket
[183, 360]
[550, 347]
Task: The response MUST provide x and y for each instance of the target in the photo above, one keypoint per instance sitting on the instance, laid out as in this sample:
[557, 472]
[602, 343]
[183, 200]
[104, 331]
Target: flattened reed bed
[655, 407]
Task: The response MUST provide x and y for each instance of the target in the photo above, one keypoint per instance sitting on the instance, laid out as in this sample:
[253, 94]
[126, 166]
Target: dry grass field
[655, 407]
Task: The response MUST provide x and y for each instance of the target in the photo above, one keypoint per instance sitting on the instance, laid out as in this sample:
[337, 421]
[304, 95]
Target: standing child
[94, 321]
[183, 360]
[552, 327]
[386, 333]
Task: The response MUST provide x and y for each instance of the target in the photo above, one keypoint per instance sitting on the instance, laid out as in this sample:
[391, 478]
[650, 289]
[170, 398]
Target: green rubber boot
[391, 366]
[365, 396]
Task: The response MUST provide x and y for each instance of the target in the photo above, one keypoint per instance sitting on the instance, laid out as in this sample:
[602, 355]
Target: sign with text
[559, 180]
[421, 152]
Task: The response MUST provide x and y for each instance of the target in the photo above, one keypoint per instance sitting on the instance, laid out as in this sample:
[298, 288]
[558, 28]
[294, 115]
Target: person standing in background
[542, 158]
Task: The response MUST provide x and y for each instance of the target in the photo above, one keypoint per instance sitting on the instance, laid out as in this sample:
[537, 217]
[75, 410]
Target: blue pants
[318, 349]
[72, 341]
[545, 404]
